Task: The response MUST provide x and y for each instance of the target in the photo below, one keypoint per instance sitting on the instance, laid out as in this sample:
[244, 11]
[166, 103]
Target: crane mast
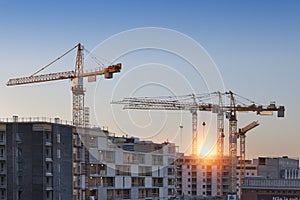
[232, 143]
[220, 125]
[242, 137]
[195, 136]
[78, 90]
[220, 141]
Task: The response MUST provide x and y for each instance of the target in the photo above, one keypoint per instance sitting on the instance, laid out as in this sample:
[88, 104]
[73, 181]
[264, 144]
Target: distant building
[261, 188]
[278, 178]
[278, 167]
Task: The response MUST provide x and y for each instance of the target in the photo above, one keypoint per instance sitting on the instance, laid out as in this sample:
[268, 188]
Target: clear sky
[254, 44]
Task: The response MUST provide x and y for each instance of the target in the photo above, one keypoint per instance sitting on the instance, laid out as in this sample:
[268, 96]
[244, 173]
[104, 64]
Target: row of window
[131, 158]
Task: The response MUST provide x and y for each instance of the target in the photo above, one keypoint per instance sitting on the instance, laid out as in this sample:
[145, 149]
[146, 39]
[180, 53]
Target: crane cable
[54, 61]
[96, 59]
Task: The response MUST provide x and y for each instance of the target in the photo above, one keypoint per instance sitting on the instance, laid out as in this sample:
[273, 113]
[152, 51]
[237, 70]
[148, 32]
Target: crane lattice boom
[64, 75]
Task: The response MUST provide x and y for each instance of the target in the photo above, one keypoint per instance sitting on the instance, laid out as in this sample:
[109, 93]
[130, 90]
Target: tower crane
[191, 102]
[242, 136]
[203, 102]
[237, 105]
[76, 76]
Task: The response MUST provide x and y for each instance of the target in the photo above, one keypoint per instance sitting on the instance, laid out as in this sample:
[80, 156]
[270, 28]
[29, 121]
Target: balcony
[49, 188]
[48, 159]
[49, 174]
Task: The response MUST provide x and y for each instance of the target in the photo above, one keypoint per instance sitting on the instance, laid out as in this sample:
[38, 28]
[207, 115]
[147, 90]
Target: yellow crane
[242, 136]
[76, 76]
[237, 105]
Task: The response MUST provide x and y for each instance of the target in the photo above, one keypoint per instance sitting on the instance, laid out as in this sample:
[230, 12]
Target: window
[49, 181]
[2, 136]
[2, 193]
[48, 135]
[58, 167]
[108, 156]
[20, 180]
[2, 181]
[48, 152]
[49, 195]
[130, 158]
[2, 167]
[171, 149]
[58, 153]
[145, 171]
[123, 170]
[58, 138]
[49, 167]
[2, 152]
[157, 182]
[141, 158]
[157, 160]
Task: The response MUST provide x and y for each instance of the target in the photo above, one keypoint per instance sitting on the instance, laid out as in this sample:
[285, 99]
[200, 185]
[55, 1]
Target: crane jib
[41, 78]
[65, 75]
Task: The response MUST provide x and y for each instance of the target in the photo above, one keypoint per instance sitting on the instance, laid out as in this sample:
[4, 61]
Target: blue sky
[255, 45]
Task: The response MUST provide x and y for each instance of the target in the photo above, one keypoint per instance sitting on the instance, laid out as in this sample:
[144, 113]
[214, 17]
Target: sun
[206, 150]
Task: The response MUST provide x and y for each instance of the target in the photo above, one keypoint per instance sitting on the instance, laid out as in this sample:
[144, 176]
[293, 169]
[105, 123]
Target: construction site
[74, 160]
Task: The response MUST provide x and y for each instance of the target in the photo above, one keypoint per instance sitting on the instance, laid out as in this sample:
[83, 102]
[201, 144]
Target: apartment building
[127, 168]
[202, 177]
[35, 160]
[208, 177]
[51, 159]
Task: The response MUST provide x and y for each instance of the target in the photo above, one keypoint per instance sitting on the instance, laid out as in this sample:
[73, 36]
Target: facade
[46, 159]
[260, 188]
[202, 178]
[35, 160]
[208, 177]
[126, 168]
[250, 171]
[278, 178]
[278, 167]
